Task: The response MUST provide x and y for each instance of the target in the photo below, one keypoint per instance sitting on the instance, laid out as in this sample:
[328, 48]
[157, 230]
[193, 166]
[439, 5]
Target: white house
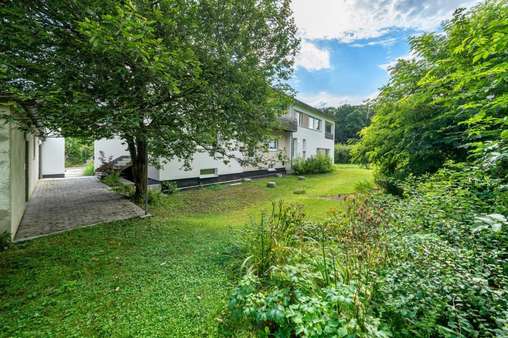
[306, 132]
[23, 157]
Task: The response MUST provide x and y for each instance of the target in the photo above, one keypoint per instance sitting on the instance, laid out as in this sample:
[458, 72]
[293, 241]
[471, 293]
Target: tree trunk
[138, 152]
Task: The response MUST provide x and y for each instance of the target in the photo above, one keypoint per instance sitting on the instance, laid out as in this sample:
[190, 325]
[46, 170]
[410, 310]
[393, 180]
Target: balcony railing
[328, 135]
[288, 123]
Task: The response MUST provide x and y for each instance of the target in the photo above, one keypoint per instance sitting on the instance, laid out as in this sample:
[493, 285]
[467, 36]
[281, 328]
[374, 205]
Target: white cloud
[387, 66]
[326, 99]
[312, 58]
[350, 20]
[382, 42]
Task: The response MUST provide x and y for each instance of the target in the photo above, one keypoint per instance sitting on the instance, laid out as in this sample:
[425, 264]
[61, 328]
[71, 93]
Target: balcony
[288, 123]
[328, 135]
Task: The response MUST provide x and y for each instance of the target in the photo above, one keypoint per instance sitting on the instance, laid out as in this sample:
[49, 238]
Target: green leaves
[447, 103]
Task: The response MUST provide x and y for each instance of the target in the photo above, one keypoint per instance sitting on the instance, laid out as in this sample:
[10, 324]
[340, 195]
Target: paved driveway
[67, 203]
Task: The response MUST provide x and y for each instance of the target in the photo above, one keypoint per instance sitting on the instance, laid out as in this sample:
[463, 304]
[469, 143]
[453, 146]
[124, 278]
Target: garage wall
[18, 192]
[113, 148]
[53, 157]
[5, 200]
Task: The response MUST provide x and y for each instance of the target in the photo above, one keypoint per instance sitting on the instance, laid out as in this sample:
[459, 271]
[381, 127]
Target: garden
[172, 272]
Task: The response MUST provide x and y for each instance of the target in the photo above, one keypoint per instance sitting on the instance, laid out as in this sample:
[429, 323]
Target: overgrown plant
[317, 164]
[430, 263]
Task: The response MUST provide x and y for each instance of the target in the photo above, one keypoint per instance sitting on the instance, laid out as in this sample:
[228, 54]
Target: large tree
[349, 120]
[169, 76]
[450, 102]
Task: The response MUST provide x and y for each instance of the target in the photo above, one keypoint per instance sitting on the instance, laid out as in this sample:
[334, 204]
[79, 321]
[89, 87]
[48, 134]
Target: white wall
[314, 139]
[18, 177]
[5, 173]
[112, 148]
[53, 156]
[174, 169]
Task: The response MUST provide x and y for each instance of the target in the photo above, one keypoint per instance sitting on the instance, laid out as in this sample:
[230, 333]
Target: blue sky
[348, 45]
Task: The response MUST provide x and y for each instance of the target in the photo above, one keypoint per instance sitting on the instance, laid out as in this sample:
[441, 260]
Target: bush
[77, 151]
[318, 164]
[342, 153]
[429, 263]
[293, 286]
[89, 169]
[5, 241]
[169, 187]
[112, 179]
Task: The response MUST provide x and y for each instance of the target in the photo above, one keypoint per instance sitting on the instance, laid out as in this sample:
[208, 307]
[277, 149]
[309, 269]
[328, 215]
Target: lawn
[167, 275]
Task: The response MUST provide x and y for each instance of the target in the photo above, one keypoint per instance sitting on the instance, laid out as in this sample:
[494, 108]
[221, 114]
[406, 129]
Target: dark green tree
[349, 120]
[449, 103]
[169, 77]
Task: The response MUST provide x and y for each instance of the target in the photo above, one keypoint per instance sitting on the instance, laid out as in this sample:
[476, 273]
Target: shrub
[429, 263]
[77, 151]
[89, 169]
[5, 241]
[292, 286]
[318, 164]
[112, 179]
[342, 153]
[168, 187]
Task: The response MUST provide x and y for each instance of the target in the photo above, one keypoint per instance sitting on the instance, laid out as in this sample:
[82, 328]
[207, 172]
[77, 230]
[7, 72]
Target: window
[304, 149]
[208, 172]
[308, 121]
[273, 145]
[328, 130]
[323, 151]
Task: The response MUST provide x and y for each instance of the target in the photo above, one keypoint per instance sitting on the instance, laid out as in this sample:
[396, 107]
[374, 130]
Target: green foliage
[342, 153]
[431, 263]
[175, 264]
[318, 164]
[77, 151]
[5, 241]
[449, 103]
[113, 180]
[364, 186]
[349, 120]
[291, 291]
[89, 169]
[169, 187]
[166, 77]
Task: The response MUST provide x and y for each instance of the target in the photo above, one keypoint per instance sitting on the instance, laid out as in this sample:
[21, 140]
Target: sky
[348, 45]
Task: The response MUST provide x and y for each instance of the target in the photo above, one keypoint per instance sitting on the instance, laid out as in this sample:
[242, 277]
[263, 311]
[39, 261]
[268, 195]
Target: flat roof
[313, 109]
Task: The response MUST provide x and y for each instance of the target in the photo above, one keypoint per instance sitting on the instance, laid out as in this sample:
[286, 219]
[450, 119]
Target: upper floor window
[307, 121]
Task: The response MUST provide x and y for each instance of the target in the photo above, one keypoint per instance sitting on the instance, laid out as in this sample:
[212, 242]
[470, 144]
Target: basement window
[208, 172]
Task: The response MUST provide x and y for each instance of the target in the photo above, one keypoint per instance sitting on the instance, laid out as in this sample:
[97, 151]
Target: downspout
[291, 150]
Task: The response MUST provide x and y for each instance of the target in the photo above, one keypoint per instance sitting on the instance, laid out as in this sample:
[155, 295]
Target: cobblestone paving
[63, 204]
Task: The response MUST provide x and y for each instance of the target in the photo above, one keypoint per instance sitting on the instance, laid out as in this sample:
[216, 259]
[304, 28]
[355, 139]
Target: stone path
[74, 171]
[67, 203]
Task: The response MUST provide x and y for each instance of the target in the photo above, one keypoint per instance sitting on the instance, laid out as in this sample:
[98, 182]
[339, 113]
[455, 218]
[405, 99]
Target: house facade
[22, 164]
[305, 132]
[19, 172]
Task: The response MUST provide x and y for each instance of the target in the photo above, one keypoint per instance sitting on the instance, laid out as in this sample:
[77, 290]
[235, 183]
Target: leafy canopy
[349, 120]
[449, 103]
[170, 75]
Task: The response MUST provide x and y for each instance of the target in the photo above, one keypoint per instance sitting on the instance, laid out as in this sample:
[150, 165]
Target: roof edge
[313, 109]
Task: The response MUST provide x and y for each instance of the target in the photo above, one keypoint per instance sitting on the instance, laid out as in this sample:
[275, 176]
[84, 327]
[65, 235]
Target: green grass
[89, 169]
[168, 275]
